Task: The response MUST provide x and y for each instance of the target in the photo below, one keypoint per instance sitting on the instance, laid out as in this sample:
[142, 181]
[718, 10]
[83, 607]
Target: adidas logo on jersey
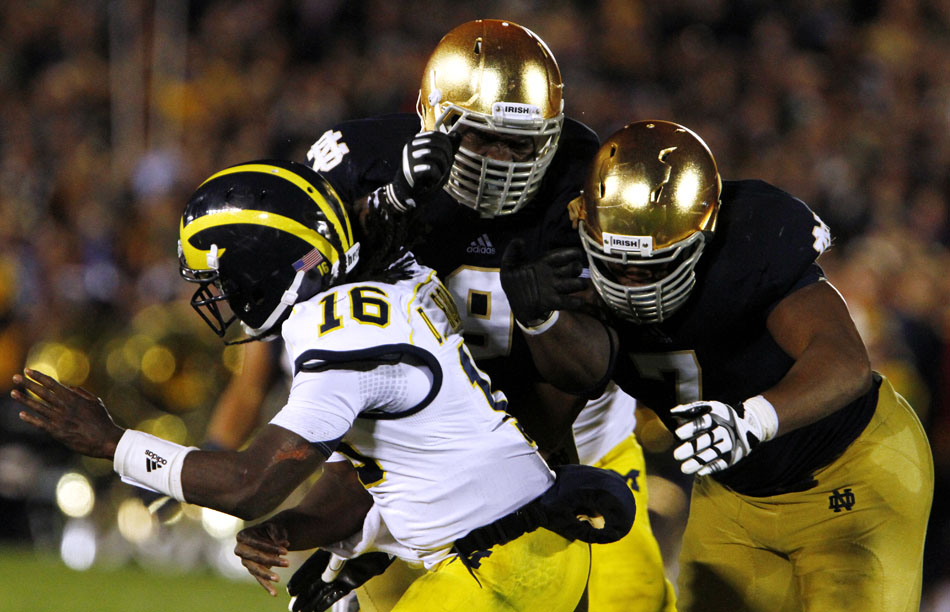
[153, 461]
[481, 245]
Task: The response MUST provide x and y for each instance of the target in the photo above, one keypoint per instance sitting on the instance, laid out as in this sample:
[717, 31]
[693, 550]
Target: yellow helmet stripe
[196, 259]
[342, 226]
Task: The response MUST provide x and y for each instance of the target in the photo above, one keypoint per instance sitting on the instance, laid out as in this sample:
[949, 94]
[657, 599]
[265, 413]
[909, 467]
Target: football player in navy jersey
[493, 90]
[519, 163]
[814, 476]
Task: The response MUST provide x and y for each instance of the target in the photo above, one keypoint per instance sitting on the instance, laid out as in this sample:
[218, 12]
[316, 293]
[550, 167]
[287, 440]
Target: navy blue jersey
[359, 156]
[717, 347]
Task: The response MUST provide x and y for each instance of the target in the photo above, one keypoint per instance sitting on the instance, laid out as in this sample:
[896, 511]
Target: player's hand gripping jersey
[717, 346]
[403, 392]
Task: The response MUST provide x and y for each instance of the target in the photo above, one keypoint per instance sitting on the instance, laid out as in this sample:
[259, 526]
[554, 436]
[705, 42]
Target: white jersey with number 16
[384, 367]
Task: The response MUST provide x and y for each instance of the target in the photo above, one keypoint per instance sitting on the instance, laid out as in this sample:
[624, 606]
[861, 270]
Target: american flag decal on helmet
[308, 261]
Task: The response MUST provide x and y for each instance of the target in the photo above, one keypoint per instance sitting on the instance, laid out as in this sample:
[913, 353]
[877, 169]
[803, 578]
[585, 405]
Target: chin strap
[286, 301]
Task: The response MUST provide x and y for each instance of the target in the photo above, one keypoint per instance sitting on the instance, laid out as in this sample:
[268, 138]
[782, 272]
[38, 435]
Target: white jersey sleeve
[323, 405]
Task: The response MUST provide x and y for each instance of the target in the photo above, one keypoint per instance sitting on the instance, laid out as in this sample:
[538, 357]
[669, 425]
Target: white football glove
[716, 435]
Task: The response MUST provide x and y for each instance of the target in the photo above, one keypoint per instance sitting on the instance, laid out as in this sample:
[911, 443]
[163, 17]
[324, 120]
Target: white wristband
[334, 565]
[145, 461]
[764, 413]
[541, 327]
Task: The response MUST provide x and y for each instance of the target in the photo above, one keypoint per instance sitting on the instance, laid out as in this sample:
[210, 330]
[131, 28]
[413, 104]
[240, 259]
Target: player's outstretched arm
[252, 482]
[246, 484]
[831, 370]
[572, 349]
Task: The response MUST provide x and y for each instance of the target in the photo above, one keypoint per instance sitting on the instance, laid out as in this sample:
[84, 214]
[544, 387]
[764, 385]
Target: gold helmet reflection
[648, 207]
[498, 77]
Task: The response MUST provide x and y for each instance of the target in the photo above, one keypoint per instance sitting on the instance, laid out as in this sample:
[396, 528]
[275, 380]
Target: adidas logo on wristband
[163, 462]
[153, 461]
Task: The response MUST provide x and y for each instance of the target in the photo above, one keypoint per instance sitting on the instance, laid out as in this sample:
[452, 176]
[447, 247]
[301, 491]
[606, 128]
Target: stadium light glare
[77, 549]
[75, 495]
[135, 522]
[220, 525]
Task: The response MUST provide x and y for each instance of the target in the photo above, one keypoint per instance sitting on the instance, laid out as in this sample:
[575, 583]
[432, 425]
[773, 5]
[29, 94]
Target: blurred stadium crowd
[111, 113]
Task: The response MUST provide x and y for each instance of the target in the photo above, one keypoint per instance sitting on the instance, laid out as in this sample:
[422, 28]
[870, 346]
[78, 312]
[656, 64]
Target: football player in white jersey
[381, 374]
[521, 160]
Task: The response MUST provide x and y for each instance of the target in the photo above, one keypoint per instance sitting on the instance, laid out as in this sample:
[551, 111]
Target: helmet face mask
[648, 208]
[263, 236]
[671, 275]
[207, 298]
[499, 78]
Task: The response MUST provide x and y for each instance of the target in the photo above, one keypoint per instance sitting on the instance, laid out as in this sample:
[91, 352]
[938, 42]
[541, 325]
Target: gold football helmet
[648, 207]
[500, 78]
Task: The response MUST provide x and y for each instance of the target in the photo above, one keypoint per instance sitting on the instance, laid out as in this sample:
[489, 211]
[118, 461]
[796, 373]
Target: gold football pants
[539, 571]
[853, 542]
[628, 575]
[380, 593]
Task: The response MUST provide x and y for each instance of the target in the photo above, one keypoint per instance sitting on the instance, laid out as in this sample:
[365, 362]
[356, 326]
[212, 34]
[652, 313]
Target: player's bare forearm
[250, 483]
[72, 416]
[831, 366]
[547, 415]
[332, 510]
[246, 484]
[576, 354]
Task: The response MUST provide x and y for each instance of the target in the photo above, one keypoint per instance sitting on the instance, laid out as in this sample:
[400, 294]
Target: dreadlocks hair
[387, 237]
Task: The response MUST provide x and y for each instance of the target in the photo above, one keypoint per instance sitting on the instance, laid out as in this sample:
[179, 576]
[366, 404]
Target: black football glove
[310, 593]
[426, 161]
[537, 288]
